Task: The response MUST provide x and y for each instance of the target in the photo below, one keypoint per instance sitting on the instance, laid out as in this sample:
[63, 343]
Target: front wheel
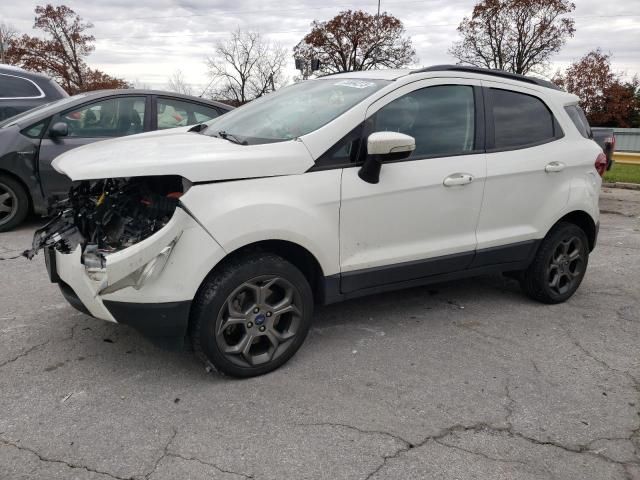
[559, 265]
[14, 203]
[251, 315]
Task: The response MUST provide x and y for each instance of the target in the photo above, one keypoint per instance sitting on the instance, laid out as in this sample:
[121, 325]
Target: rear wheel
[559, 265]
[252, 315]
[14, 203]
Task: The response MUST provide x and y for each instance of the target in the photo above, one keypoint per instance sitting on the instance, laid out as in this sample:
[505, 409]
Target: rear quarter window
[12, 86]
[579, 119]
[520, 120]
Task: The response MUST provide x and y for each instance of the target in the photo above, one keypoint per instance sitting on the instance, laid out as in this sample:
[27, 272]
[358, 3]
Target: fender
[19, 159]
[583, 197]
[302, 209]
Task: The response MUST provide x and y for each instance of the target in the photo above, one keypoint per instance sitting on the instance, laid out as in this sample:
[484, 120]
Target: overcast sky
[144, 41]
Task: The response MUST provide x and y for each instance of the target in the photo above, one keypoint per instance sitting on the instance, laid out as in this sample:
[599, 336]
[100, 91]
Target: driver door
[420, 219]
[107, 118]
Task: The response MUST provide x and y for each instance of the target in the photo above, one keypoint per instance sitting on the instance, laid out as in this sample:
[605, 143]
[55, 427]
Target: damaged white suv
[329, 189]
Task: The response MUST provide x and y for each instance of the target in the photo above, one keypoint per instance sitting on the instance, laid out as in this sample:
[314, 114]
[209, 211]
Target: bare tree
[356, 40]
[514, 35]
[177, 83]
[245, 67]
[7, 35]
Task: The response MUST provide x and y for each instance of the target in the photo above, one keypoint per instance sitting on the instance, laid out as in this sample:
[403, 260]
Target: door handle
[458, 179]
[554, 167]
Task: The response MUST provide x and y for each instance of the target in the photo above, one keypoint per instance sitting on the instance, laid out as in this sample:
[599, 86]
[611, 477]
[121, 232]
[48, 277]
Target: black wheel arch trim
[583, 220]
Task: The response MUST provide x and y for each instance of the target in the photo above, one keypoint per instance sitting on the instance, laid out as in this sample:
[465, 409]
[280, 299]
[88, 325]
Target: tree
[98, 80]
[606, 99]
[245, 67]
[62, 52]
[357, 40]
[177, 83]
[514, 35]
[8, 34]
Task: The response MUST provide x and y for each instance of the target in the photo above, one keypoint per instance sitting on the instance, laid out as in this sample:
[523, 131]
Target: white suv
[329, 189]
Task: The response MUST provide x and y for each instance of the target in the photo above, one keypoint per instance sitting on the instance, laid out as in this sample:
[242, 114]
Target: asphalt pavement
[463, 380]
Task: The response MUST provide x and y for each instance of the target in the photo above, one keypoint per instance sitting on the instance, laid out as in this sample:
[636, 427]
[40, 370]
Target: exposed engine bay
[104, 216]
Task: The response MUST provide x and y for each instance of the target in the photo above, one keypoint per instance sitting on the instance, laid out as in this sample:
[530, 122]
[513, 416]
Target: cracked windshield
[294, 111]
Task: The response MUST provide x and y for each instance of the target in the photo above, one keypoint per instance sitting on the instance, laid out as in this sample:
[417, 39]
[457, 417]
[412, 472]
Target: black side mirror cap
[370, 170]
[59, 129]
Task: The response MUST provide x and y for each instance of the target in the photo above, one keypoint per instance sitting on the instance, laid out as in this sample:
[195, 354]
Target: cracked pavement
[456, 381]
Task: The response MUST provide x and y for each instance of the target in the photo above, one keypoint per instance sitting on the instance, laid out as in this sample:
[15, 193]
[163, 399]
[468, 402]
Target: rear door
[528, 179]
[99, 120]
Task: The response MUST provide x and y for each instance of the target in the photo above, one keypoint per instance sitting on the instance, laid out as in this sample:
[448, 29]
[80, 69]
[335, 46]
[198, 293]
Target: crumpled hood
[196, 157]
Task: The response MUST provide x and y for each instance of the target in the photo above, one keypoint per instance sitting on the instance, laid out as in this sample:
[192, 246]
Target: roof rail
[489, 71]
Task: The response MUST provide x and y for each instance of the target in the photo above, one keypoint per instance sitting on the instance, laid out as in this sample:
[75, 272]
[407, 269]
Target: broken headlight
[105, 216]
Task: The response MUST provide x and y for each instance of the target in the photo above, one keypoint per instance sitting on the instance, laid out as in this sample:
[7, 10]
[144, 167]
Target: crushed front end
[108, 215]
[120, 248]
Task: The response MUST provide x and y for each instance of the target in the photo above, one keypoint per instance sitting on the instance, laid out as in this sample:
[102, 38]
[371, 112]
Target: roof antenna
[206, 88]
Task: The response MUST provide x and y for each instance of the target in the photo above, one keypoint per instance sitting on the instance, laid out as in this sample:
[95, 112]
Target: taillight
[601, 163]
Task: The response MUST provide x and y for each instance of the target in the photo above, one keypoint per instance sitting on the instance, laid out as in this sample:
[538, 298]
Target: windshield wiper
[231, 137]
[199, 128]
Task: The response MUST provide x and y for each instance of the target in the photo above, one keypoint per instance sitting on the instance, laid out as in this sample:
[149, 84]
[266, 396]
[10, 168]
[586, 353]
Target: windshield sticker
[355, 84]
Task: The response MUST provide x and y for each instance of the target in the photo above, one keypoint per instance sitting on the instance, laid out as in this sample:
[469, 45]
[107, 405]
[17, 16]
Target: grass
[623, 173]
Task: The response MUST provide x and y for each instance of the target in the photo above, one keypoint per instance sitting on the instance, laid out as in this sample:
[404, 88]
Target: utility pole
[378, 20]
[307, 67]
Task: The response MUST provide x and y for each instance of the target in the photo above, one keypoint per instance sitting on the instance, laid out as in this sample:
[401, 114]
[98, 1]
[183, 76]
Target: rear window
[520, 120]
[12, 86]
[579, 119]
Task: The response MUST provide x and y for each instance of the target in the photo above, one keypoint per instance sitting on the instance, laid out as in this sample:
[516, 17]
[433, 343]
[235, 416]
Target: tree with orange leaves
[606, 99]
[62, 53]
[356, 40]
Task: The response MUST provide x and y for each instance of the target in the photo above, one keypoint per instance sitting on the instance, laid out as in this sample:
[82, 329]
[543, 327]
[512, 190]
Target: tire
[559, 265]
[251, 315]
[14, 203]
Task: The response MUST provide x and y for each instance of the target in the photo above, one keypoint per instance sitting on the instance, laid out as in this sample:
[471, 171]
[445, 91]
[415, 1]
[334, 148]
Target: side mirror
[59, 129]
[384, 146]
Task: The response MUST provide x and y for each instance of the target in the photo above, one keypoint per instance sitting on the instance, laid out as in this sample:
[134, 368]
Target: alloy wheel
[8, 204]
[566, 265]
[259, 320]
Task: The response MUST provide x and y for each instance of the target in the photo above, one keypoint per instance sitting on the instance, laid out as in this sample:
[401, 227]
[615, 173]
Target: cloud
[147, 40]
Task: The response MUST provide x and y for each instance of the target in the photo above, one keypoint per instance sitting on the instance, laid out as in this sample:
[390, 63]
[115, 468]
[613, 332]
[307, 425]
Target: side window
[345, 151]
[35, 131]
[113, 117]
[176, 113]
[520, 120]
[12, 86]
[440, 118]
[579, 120]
